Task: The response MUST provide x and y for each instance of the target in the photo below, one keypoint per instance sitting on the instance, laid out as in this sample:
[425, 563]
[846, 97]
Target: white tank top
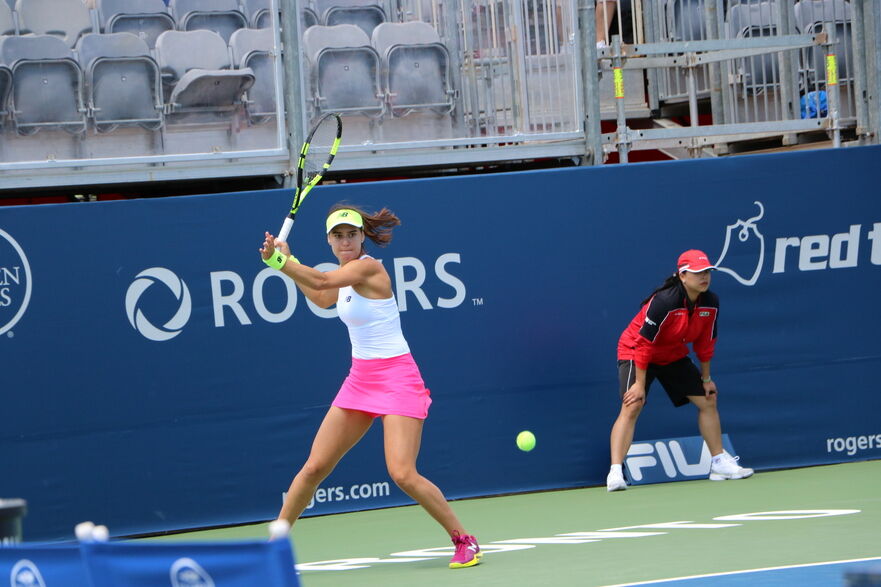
[374, 325]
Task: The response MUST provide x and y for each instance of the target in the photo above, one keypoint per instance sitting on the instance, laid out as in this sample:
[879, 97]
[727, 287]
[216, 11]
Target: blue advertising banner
[184, 564]
[157, 376]
[179, 564]
[670, 459]
[43, 565]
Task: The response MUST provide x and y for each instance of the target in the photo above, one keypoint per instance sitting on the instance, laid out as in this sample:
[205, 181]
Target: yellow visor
[344, 216]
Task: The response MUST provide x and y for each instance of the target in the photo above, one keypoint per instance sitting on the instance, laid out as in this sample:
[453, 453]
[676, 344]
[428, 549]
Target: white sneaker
[602, 44]
[727, 468]
[615, 481]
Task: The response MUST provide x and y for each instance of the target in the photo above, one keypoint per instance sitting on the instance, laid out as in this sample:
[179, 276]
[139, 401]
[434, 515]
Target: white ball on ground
[100, 534]
[83, 531]
[278, 529]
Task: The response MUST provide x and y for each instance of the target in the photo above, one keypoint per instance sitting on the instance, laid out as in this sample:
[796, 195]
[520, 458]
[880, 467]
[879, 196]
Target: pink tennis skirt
[384, 387]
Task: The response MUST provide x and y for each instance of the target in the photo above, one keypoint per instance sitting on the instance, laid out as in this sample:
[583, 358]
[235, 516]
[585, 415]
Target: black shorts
[680, 379]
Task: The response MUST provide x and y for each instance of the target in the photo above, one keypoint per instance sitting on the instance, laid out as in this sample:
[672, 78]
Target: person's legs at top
[723, 466]
[605, 13]
[339, 432]
[403, 438]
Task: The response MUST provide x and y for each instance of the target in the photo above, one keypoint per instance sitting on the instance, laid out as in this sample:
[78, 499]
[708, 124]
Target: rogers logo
[136, 317]
[185, 572]
[15, 282]
[26, 574]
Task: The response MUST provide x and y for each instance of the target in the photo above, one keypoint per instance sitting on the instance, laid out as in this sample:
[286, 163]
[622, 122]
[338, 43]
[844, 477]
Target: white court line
[656, 581]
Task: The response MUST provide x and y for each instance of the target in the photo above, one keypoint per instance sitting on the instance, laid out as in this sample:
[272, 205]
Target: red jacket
[663, 327]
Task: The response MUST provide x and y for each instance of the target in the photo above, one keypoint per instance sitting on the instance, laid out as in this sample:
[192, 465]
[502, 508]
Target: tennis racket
[313, 164]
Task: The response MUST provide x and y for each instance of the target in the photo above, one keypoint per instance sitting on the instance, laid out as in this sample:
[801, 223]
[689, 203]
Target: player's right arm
[323, 297]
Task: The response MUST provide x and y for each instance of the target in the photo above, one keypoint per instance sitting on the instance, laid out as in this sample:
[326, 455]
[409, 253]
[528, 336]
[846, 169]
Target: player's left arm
[707, 380]
[705, 345]
[358, 271]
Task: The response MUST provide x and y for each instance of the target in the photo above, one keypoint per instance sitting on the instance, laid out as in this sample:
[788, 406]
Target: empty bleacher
[365, 14]
[220, 16]
[162, 83]
[123, 85]
[123, 78]
[390, 80]
[145, 18]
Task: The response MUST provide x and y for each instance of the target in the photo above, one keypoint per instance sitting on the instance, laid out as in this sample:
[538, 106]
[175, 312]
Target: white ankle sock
[615, 469]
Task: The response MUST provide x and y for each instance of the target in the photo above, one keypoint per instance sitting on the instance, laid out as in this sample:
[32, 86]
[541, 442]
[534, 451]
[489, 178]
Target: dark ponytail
[377, 227]
[671, 281]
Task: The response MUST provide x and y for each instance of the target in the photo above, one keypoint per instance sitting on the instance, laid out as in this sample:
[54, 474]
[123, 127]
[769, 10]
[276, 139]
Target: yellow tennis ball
[526, 441]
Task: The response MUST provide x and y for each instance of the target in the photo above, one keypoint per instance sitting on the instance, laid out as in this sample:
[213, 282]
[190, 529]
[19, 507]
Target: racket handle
[285, 229]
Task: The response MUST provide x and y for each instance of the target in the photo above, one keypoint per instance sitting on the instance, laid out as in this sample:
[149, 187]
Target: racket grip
[285, 229]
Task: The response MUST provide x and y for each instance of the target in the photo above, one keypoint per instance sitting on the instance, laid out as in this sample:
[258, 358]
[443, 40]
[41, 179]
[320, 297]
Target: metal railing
[764, 69]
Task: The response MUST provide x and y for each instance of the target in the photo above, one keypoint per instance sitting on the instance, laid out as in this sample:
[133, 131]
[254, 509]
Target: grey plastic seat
[7, 22]
[5, 89]
[47, 88]
[66, 19]
[123, 84]
[755, 20]
[258, 13]
[252, 48]
[344, 70]
[810, 18]
[196, 68]
[365, 14]
[309, 18]
[221, 16]
[416, 67]
[145, 18]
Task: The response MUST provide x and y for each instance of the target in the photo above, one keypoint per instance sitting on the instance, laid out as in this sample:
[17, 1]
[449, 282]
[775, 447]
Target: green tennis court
[587, 537]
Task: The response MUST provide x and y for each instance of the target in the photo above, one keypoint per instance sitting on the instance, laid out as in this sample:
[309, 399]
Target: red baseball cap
[694, 261]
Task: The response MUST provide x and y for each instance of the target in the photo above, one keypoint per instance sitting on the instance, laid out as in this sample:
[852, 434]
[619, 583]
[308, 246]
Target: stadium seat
[197, 72]
[62, 18]
[258, 13]
[759, 73]
[5, 88]
[344, 70]
[123, 84]
[7, 22]
[309, 18]
[365, 14]
[145, 18]
[810, 16]
[47, 89]
[416, 68]
[252, 48]
[221, 16]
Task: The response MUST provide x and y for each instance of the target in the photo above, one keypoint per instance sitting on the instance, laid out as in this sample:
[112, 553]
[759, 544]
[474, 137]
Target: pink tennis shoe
[467, 551]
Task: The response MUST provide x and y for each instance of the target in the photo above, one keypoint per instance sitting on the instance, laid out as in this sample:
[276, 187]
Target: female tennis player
[654, 346]
[384, 380]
